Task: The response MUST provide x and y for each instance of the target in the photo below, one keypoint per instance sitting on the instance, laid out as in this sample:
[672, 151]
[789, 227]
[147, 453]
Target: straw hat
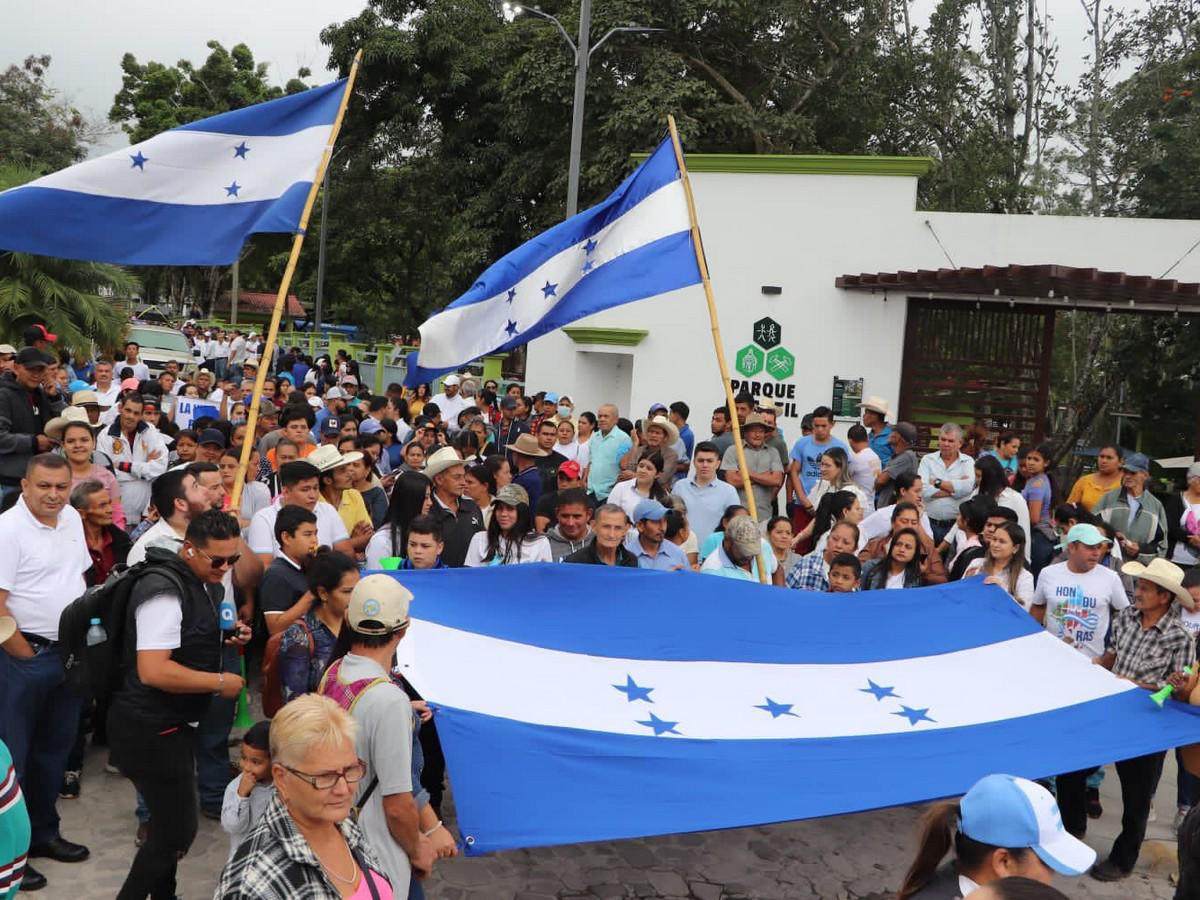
[1166, 575]
[55, 427]
[327, 457]
[877, 405]
[441, 460]
[666, 425]
[526, 445]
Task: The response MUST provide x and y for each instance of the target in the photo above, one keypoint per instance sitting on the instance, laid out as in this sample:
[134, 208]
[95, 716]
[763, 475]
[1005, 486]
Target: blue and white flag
[634, 245]
[583, 703]
[188, 197]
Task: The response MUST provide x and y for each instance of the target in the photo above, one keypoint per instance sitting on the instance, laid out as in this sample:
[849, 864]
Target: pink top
[106, 478]
[382, 888]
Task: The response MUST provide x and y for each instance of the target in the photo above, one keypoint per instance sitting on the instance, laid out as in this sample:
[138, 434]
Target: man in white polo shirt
[299, 485]
[41, 572]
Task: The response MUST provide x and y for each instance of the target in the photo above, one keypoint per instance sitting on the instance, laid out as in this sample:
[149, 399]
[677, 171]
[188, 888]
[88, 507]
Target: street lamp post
[583, 54]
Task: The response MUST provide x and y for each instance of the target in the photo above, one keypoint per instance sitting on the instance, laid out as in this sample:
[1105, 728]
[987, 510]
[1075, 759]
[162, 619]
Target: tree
[40, 132]
[74, 299]
[154, 98]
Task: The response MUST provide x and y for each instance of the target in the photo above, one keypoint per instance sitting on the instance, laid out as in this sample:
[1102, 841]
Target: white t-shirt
[159, 623]
[380, 546]
[864, 469]
[624, 494]
[1190, 620]
[894, 582]
[1025, 586]
[534, 549]
[109, 397]
[879, 523]
[1078, 607]
[261, 533]
[42, 567]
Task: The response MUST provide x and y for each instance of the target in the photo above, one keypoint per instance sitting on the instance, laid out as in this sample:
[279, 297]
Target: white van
[160, 346]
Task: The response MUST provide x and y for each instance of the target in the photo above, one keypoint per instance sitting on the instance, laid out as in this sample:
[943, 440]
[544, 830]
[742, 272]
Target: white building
[780, 231]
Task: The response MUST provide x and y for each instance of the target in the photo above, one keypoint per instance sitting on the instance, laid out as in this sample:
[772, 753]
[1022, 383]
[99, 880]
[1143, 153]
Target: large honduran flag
[188, 196]
[582, 703]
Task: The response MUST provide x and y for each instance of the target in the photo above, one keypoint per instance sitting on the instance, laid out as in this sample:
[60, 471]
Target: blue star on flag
[511, 328]
[549, 289]
[914, 715]
[588, 265]
[589, 246]
[512, 295]
[232, 190]
[633, 691]
[777, 709]
[660, 726]
[139, 161]
[240, 151]
[879, 692]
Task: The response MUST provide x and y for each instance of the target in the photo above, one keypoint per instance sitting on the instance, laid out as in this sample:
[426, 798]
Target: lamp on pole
[582, 53]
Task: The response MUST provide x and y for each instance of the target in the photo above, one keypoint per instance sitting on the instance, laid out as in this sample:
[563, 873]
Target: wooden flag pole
[702, 262]
[268, 350]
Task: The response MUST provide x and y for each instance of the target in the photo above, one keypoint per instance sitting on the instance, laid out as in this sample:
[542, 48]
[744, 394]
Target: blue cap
[1136, 462]
[1006, 811]
[212, 436]
[550, 397]
[78, 385]
[649, 509]
[331, 425]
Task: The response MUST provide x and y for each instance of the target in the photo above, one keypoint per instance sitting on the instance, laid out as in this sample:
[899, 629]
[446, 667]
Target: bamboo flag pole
[716, 333]
[273, 332]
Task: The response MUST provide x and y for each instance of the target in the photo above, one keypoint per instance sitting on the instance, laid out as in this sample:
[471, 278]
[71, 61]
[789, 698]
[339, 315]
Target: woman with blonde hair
[307, 843]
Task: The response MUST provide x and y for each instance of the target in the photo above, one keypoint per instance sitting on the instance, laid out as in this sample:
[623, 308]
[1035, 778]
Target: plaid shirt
[1149, 655]
[810, 574]
[275, 862]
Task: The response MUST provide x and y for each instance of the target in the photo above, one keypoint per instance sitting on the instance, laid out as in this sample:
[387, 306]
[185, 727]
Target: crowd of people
[102, 467]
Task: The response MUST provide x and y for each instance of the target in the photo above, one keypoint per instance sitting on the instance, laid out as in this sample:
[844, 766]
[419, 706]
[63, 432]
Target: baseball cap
[512, 495]
[335, 393]
[332, 425]
[76, 385]
[350, 379]
[1136, 462]
[1006, 811]
[906, 430]
[657, 407]
[507, 402]
[1192, 472]
[38, 332]
[550, 396]
[1085, 533]
[570, 468]
[649, 509]
[32, 356]
[266, 408]
[744, 533]
[315, 402]
[212, 436]
[131, 384]
[378, 605]
[369, 426]
[8, 350]
[451, 379]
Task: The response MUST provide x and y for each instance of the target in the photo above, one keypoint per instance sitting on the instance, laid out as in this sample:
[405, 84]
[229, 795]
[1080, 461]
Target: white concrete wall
[800, 232]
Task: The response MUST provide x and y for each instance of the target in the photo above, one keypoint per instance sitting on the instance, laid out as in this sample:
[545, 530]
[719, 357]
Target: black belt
[37, 641]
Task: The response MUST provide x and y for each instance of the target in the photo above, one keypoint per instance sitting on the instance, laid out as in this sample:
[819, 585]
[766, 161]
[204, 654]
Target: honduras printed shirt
[1079, 606]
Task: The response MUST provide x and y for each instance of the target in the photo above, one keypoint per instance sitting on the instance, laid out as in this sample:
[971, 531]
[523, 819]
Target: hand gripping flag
[636, 244]
[595, 703]
[188, 196]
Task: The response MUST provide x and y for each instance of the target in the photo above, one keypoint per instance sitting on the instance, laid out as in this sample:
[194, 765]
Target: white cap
[451, 379]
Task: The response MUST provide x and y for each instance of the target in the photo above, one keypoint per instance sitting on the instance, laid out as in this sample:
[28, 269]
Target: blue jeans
[212, 741]
[39, 718]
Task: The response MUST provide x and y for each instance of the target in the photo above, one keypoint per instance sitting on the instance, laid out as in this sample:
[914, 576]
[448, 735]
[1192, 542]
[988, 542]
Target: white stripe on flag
[1024, 676]
[467, 332]
[193, 168]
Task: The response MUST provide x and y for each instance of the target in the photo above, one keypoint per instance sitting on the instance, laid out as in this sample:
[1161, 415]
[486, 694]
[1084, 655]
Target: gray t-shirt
[900, 464]
[385, 735]
[764, 459]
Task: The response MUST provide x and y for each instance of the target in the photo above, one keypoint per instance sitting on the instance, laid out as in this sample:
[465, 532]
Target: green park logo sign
[766, 357]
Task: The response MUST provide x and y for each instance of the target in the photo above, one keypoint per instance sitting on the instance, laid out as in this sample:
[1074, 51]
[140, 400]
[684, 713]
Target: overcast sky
[87, 38]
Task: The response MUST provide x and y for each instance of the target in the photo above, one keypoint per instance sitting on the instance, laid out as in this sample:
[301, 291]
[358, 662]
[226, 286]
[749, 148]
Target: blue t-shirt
[808, 452]
[1038, 488]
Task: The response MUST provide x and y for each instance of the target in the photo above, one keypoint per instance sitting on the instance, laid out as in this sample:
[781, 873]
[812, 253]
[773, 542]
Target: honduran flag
[188, 196]
[583, 703]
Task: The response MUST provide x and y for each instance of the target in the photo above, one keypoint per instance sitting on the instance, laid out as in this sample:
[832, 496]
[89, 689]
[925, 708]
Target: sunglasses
[220, 562]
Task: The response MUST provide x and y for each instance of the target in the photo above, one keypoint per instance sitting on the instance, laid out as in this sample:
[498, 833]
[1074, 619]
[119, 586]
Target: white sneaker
[1180, 815]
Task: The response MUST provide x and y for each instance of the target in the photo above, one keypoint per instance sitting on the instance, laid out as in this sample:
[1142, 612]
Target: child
[844, 572]
[248, 794]
[186, 442]
[284, 588]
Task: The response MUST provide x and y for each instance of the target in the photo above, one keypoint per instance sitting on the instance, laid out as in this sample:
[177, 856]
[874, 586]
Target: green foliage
[39, 132]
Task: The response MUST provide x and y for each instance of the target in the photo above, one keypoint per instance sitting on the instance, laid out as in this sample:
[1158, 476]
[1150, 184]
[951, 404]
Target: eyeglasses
[325, 781]
[220, 562]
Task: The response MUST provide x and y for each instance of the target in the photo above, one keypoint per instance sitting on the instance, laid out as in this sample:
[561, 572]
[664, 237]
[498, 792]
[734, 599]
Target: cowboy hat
[1165, 574]
[327, 457]
[666, 425]
[876, 405]
[441, 460]
[55, 427]
[526, 445]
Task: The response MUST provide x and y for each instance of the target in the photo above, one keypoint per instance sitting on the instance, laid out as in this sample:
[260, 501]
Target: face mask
[564, 412]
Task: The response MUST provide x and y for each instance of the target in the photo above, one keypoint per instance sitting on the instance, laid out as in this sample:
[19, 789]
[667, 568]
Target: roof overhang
[1065, 287]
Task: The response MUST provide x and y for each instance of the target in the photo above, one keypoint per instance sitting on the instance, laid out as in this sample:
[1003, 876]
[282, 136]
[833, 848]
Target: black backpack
[97, 672]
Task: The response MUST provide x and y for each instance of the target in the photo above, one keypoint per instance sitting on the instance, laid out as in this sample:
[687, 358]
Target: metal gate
[966, 361]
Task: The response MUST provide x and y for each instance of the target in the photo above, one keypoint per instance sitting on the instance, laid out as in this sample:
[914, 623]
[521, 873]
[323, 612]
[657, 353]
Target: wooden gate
[967, 362]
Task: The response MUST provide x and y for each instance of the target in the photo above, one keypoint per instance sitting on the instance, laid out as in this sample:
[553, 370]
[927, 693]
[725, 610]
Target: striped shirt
[14, 828]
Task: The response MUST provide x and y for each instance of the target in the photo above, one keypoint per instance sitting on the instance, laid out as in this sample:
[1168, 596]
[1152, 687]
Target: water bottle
[228, 614]
[96, 633]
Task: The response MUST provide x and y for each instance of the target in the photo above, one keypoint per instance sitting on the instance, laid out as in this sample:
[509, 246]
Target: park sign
[766, 365]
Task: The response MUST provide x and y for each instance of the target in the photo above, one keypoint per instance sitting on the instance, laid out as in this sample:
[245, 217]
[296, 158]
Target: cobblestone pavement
[845, 858]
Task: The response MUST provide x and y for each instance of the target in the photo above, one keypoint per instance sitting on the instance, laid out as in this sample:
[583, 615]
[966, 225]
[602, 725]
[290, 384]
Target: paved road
[846, 858]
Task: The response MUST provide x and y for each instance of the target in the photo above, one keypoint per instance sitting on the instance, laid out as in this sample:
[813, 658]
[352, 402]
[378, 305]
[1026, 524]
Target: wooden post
[268, 350]
[702, 262]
